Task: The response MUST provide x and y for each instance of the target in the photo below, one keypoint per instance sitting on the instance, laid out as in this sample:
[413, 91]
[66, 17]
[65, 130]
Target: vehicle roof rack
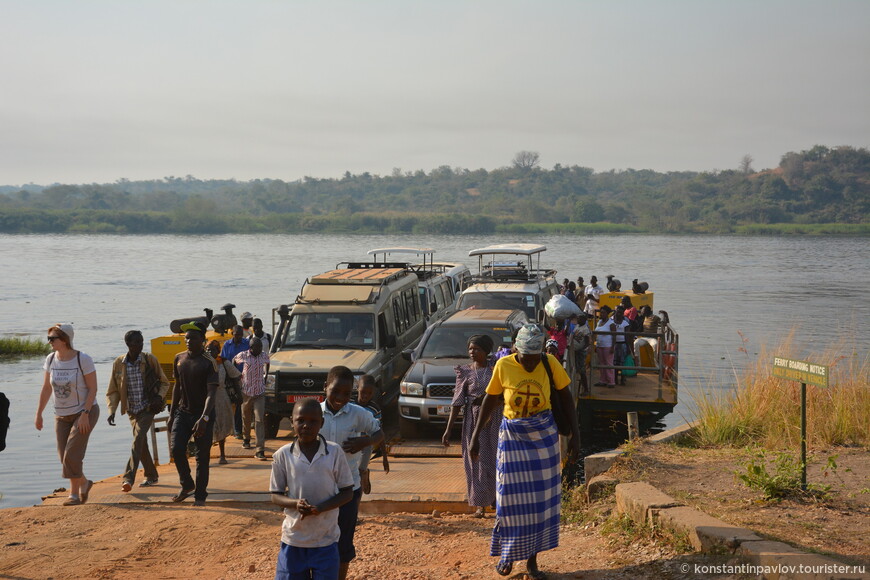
[424, 271]
[525, 266]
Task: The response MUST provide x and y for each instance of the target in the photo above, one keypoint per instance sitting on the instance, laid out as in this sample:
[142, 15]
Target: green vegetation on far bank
[818, 191]
[179, 222]
[11, 347]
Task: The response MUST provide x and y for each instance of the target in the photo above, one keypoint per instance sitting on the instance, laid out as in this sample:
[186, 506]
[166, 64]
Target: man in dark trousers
[196, 380]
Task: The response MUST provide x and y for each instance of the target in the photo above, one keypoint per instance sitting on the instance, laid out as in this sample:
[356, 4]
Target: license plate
[294, 398]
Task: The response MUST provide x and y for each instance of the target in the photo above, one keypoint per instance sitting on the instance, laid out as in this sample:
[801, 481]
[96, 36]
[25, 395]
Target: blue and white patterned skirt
[528, 488]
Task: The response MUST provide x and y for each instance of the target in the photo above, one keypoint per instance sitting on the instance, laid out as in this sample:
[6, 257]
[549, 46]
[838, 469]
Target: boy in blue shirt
[365, 398]
[310, 480]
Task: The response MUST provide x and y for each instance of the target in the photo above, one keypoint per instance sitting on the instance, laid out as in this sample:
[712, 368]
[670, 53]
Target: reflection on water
[715, 289]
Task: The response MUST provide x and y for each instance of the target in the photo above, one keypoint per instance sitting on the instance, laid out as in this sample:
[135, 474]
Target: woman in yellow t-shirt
[528, 468]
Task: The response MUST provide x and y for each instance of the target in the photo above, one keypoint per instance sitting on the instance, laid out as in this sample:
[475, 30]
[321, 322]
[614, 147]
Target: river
[727, 296]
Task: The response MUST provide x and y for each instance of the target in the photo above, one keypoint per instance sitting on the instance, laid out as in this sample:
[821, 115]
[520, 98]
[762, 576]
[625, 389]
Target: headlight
[415, 389]
[270, 384]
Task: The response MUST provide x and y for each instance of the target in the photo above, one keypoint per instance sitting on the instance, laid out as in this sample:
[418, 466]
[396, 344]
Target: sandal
[72, 501]
[223, 461]
[479, 512]
[504, 568]
[86, 489]
[183, 495]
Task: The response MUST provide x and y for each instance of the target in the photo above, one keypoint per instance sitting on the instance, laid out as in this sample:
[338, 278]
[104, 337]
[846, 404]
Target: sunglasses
[53, 338]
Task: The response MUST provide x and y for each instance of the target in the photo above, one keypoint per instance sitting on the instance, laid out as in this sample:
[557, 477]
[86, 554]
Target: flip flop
[86, 489]
[504, 568]
[183, 495]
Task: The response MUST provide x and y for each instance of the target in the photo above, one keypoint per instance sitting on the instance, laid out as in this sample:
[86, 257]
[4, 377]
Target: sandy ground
[235, 540]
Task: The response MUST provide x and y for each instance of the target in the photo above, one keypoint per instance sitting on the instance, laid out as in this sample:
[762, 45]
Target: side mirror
[408, 354]
[433, 307]
[390, 342]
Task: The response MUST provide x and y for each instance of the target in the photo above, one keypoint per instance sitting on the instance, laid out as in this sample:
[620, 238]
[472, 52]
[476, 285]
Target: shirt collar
[128, 361]
[341, 411]
[323, 449]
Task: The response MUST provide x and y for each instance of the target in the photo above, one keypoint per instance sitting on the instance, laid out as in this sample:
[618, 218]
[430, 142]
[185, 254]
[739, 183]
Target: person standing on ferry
[71, 376]
[593, 293]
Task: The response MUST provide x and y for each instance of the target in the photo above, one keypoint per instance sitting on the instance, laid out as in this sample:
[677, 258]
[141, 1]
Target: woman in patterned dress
[223, 409]
[471, 382]
[528, 466]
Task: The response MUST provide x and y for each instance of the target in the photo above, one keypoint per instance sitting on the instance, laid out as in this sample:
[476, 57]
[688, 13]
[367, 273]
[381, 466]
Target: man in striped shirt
[255, 367]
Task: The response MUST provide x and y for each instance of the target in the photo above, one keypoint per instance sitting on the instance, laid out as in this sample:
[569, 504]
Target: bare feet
[532, 569]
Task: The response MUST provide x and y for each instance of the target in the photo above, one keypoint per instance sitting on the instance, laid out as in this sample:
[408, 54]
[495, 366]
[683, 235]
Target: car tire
[410, 429]
[273, 422]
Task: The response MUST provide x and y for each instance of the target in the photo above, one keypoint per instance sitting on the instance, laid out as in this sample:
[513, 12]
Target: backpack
[4, 420]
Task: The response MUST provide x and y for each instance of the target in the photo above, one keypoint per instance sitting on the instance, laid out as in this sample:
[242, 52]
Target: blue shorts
[306, 563]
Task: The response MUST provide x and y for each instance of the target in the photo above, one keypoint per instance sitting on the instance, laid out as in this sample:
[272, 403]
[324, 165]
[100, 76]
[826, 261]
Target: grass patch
[622, 529]
[569, 228]
[765, 411]
[13, 347]
[803, 229]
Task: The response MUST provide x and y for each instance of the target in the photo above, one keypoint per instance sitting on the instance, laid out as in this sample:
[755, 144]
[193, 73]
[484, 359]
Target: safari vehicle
[359, 315]
[510, 276]
[439, 284]
[426, 390]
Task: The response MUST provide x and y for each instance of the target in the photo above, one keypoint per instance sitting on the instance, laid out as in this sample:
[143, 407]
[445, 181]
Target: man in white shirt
[593, 293]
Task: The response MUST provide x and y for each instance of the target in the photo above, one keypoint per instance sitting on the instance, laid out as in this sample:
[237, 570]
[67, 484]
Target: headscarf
[530, 339]
[484, 341]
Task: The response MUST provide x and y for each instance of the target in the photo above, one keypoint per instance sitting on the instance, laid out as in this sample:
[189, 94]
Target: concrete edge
[647, 505]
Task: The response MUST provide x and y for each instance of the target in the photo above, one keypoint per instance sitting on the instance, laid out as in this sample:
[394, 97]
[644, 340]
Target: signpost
[805, 372]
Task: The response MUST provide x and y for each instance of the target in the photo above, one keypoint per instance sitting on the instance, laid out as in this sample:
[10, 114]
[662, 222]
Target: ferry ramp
[424, 476]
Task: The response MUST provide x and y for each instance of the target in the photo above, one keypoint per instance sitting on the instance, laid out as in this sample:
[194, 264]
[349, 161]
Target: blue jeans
[182, 430]
[306, 563]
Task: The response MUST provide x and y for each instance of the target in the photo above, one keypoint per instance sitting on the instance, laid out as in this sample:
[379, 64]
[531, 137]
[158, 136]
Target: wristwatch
[204, 418]
[86, 411]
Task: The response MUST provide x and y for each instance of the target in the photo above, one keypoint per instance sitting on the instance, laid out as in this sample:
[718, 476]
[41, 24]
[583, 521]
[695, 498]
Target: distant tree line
[821, 185]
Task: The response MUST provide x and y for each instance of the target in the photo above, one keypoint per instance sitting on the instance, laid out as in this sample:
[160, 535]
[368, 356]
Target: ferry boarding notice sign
[799, 370]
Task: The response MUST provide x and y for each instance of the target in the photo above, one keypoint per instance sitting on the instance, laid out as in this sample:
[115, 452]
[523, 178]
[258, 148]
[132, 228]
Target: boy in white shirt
[310, 480]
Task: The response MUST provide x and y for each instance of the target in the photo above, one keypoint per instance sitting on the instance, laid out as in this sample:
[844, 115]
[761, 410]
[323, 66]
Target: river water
[727, 296]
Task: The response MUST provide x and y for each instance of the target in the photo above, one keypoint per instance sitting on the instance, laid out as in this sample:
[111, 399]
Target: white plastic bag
[561, 307]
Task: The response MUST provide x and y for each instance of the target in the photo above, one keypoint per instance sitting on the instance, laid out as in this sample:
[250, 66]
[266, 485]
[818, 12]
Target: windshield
[452, 341]
[334, 329]
[524, 301]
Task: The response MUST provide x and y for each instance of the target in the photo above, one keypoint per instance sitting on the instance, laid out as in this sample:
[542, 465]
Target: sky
[97, 91]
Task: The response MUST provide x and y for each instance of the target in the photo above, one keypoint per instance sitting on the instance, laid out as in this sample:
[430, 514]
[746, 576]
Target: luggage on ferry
[561, 307]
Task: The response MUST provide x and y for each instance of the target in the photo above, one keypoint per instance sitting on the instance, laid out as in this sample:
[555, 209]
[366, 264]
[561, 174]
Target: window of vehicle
[412, 306]
[399, 315]
[500, 300]
[452, 341]
[334, 329]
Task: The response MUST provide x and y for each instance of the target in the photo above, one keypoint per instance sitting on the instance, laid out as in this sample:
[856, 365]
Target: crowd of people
[612, 334]
[510, 401]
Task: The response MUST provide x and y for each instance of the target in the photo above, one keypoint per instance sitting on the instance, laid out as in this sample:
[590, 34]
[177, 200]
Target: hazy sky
[95, 91]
